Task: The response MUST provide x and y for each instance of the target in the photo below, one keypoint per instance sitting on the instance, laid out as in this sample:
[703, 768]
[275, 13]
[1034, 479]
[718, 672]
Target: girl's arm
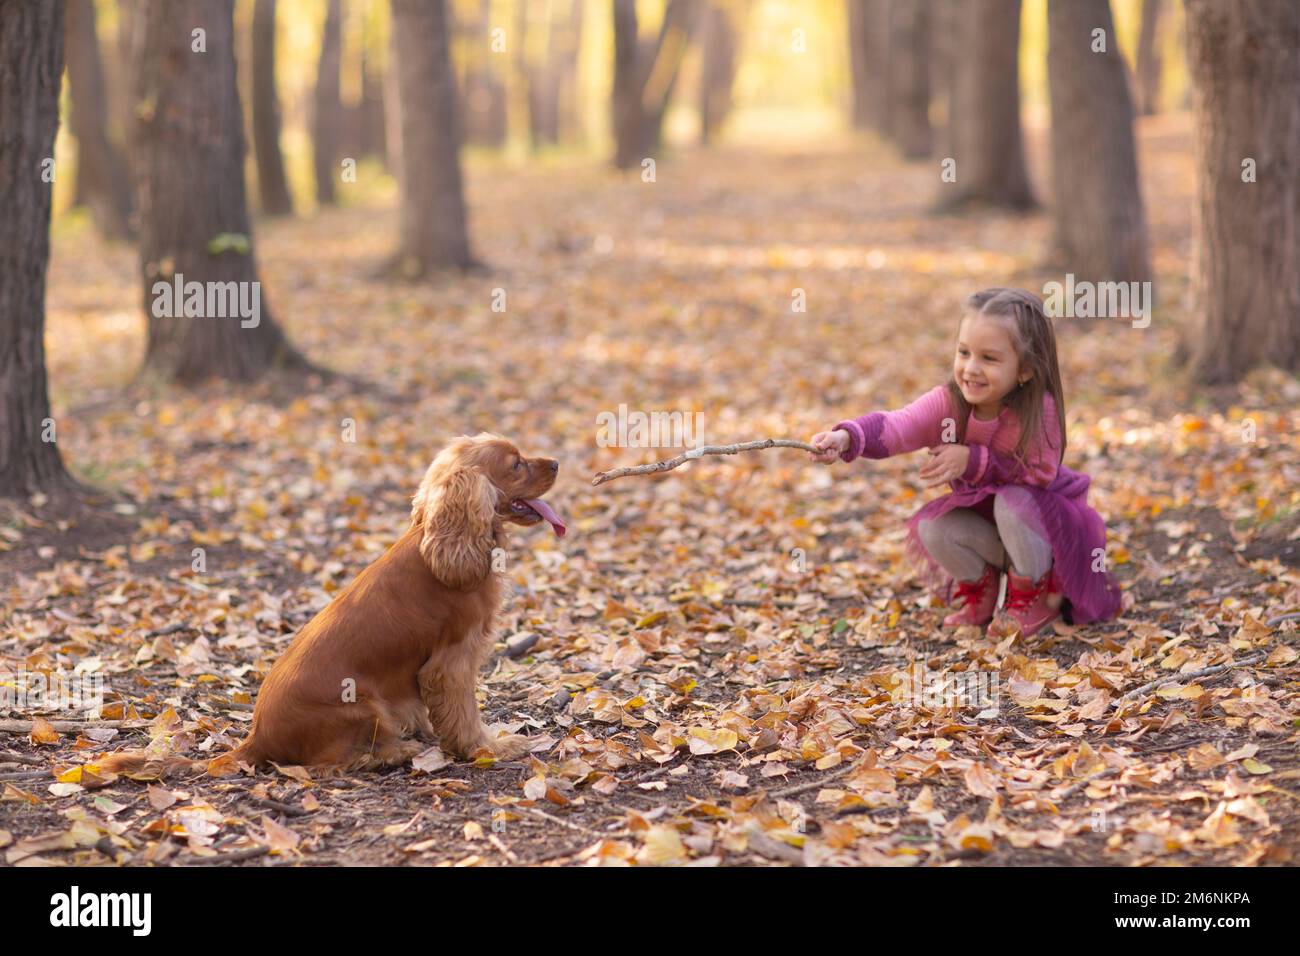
[1042, 458]
[881, 434]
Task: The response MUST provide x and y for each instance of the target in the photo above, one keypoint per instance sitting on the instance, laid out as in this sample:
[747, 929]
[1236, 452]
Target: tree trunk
[718, 72]
[102, 179]
[1244, 60]
[571, 116]
[193, 208]
[1100, 231]
[870, 63]
[909, 82]
[944, 48]
[121, 83]
[483, 93]
[434, 232]
[272, 186]
[644, 76]
[371, 122]
[31, 66]
[550, 82]
[327, 109]
[859, 65]
[985, 109]
[1148, 59]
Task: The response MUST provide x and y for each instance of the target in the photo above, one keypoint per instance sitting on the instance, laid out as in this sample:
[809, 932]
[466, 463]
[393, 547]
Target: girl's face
[986, 366]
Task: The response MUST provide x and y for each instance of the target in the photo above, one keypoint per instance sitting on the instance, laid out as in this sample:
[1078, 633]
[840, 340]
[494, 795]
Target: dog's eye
[519, 463]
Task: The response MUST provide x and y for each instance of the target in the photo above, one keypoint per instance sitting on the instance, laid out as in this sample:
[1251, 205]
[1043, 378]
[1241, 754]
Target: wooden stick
[1174, 678]
[71, 726]
[669, 464]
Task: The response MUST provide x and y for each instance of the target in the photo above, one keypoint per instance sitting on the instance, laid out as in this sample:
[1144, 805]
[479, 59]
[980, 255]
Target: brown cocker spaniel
[389, 666]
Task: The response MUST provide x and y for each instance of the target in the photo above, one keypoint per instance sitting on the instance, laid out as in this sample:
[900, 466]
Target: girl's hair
[1035, 343]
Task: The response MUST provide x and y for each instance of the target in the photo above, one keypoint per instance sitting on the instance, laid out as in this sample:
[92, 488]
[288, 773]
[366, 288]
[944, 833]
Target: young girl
[996, 434]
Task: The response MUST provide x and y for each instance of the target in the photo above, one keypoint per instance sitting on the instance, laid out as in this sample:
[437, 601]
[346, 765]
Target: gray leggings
[963, 542]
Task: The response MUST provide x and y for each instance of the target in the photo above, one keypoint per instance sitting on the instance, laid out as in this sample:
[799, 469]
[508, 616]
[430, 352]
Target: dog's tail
[142, 765]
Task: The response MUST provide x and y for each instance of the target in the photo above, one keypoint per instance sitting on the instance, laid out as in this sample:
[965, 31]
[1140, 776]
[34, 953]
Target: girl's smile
[986, 366]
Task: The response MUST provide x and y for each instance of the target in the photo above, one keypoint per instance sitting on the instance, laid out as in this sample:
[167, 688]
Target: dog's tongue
[545, 510]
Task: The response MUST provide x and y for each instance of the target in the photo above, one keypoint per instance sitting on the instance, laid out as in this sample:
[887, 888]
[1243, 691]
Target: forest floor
[700, 691]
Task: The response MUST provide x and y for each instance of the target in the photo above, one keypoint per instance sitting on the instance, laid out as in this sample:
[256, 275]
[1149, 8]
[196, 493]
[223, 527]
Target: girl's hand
[832, 445]
[947, 463]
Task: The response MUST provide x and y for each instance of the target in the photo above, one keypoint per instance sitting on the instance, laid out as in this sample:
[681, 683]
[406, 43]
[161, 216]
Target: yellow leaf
[662, 845]
[976, 837]
[706, 741]
[1175, 692]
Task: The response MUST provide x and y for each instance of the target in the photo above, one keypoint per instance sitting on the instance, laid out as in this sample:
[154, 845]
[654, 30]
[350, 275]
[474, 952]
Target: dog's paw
[509, 747]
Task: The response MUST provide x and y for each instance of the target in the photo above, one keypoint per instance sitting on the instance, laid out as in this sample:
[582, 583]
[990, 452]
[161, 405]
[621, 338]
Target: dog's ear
[455, 510]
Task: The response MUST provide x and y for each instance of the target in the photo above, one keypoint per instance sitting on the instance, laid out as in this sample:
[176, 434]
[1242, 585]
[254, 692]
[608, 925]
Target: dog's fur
[389, 666]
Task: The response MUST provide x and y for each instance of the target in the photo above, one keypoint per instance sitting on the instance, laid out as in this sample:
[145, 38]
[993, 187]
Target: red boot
[1032, 604]
[978, 598]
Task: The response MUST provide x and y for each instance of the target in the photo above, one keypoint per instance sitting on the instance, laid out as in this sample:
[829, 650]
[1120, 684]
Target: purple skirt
[1060, 514]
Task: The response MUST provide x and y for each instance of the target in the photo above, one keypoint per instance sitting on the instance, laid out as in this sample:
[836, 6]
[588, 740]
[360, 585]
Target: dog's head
[473, 487]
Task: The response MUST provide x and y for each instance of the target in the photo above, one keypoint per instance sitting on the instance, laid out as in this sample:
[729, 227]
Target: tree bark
[1244, 60]
[193, 207]
[31, 65]
[272, 186]
[718, 72]
[644, 76]
[1100, 231]
[327, 109]
[482, 89]
[859, 64]
[371, 122]
[1148, 58]
[944, 48]
[985, 109]
[909, 81]
[870, 56]
[434, 231]
[552, 81]
[103, 182]
[571, 117]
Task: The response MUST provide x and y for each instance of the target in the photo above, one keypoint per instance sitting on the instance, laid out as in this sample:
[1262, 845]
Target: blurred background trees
[390, 101]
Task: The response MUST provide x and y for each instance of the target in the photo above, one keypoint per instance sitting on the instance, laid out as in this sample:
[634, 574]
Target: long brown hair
[1035, 343]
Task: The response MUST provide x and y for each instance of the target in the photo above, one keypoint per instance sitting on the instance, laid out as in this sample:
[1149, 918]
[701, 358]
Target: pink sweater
[992, 443]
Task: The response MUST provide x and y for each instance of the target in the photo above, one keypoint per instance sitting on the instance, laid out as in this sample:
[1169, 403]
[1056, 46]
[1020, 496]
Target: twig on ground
[20, 758]
[813, 785]
[1174, 678]
[505, 850]
[669, 464]
[24, 775]
[1075, 787]
[568, 825]
[221, 859]
[288, 809]
[70, 726]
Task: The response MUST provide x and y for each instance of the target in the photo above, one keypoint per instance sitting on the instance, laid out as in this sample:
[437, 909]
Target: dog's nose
[554, 466]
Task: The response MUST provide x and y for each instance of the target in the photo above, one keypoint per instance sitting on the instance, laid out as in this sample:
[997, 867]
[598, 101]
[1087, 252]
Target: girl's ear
[456, 515]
